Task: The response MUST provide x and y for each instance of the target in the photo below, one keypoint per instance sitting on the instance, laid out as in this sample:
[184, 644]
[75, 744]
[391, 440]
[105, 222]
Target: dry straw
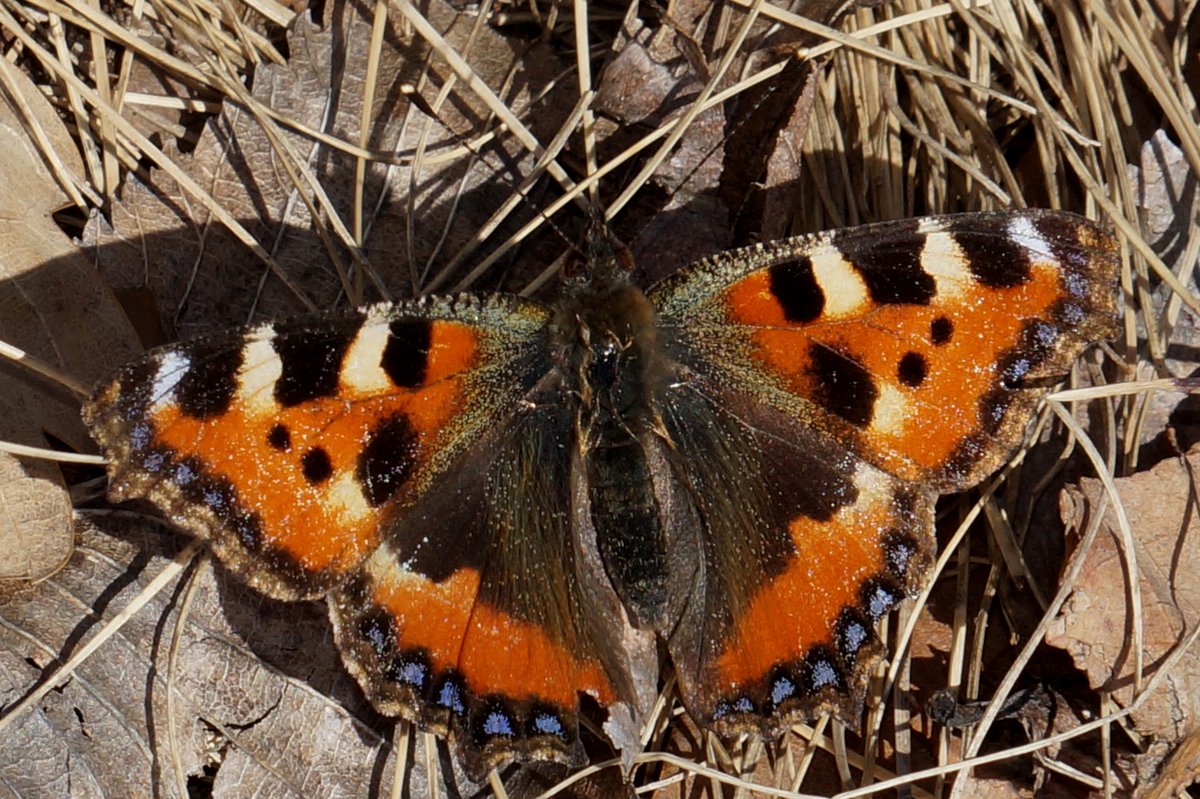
[917, 107]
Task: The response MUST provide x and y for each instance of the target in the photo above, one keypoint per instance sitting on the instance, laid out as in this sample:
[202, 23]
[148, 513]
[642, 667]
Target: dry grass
[919, 107]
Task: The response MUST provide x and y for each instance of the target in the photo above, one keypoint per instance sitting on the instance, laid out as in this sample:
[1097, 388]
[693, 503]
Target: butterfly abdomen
[612, 364]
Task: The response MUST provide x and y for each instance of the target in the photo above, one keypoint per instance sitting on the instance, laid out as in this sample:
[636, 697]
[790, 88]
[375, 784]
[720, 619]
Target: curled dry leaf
[1097, 622]
[53, 307]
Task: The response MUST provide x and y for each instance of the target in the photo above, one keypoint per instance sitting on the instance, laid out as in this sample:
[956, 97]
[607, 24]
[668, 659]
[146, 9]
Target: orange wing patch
[502, 655]
[436, 653]
[289, 447]
[799, 608]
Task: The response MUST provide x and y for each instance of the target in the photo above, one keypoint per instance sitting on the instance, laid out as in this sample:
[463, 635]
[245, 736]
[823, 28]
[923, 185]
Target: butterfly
[514, 506]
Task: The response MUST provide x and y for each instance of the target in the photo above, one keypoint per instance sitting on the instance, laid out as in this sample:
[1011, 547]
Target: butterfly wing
[802, 547]
[413, 459]
[481, 617]
[290, 445]
[922, 344]
[828, 388]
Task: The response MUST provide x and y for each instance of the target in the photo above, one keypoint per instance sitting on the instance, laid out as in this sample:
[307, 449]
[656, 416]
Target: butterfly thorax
[613, 372]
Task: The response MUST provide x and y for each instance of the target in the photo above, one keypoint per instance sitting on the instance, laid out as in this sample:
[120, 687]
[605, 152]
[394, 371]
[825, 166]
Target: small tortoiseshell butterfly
[510, 505]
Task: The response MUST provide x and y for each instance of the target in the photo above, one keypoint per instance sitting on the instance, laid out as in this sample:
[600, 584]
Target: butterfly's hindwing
[800, 556]
[471, 618]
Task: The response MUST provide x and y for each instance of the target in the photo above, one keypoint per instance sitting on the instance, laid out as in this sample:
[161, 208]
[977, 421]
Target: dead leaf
[1096, 623]
[256, 686]
[1179, 772]
[53, 307]
[35, 519]
[1168, 195]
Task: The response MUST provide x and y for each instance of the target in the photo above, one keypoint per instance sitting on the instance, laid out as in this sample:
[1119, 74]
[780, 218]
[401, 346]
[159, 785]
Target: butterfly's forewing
[828, 387]
[290, 445]
[921, 344]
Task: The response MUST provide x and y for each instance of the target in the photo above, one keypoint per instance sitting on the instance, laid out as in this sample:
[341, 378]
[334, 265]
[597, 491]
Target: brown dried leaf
[53, 307]
[1096, 624]
[977, 787]
[1179, 772]
[1168, 196]
[256, 685]
[35, 519]
[51, 303]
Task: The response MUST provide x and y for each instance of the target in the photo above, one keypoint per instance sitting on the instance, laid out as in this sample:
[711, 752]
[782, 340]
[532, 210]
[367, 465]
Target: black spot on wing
[843, 386]
[388, 459]
[890, 263]
[133, 386]
[406, 355]
[207, 387]
[878, 595]
[452, 694]
[316, 466]
[545, 720]
[941, 330]
[781, 686]
[279, 438]
[994, 258]
[311, 359]
[912, 369]
[795, 286]
[900, 552]
[734, 706]
[1038, 342]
